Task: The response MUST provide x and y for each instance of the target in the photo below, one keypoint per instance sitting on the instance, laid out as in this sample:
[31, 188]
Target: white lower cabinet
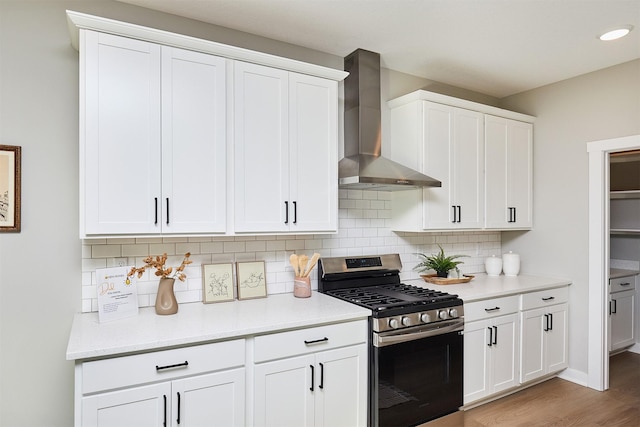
[622, 307]
[202, 400]
[544, 328]
[491, 347]
[191, 386]
[312, 377]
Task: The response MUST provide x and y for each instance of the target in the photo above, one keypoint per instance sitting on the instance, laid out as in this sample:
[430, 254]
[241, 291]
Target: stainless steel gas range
[416, 344]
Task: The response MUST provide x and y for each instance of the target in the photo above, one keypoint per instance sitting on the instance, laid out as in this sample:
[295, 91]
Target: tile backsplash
[363, 230]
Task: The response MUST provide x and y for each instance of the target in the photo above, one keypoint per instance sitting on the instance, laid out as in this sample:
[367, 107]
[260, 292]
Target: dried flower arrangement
[158, 263]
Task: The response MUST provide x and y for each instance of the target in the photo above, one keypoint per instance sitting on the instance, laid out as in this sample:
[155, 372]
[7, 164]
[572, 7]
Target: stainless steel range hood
[363, 166]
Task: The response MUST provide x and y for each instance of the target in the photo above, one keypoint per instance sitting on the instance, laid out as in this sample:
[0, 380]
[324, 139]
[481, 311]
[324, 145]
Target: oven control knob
[453, 312]
[425, 317]
[393, 323]
[406, 321]
[442, 314]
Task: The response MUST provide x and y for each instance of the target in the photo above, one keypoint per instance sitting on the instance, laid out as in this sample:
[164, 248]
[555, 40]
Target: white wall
[599, 105]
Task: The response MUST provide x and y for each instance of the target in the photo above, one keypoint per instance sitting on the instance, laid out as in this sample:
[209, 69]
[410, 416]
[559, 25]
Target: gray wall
[599, 105]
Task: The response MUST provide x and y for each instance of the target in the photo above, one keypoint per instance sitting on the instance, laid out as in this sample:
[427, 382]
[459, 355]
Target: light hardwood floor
[562, 403]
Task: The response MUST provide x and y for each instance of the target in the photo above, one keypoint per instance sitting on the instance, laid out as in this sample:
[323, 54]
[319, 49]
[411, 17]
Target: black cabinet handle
[178, 419]
[548, 298]
[321, 386]
[551, 321]
[454, 213]
[490, 336]
[167, 210]
[286, 212]
[155, 221]
[615, 306]
[312, 377]
[546, 322]
[495, 335]
[295, 212]
[316, 341]
[625, 284]
[164, 421]
[459, 213]
[515, 218]
[489, 310]
[178, 365]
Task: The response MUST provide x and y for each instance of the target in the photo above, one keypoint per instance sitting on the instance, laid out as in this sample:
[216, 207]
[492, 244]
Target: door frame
[598, 344]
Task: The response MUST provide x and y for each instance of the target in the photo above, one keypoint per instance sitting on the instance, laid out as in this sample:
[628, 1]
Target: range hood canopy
[363, 166]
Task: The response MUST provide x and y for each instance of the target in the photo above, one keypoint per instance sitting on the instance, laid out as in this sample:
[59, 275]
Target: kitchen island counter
[197, 323]
[483, 287]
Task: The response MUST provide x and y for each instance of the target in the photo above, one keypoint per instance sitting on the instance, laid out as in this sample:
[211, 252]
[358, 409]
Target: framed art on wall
[10, 159]
[217, 283]
[252, 281]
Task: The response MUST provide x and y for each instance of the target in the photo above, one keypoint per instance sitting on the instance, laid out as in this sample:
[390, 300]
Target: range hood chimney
[363, 166]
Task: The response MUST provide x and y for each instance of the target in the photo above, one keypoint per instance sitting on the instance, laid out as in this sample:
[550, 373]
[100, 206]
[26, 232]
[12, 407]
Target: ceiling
[495, 47]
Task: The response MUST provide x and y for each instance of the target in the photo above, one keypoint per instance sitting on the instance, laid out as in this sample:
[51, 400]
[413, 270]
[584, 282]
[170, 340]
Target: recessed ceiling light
[616, 33]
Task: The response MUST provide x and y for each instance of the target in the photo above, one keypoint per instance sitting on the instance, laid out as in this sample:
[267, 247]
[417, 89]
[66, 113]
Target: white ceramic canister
[493, 265]
[511, 264]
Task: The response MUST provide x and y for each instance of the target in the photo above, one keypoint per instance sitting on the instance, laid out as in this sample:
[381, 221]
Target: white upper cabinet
[448, 145]
[508, 174]
[153, 148]
[193, 142]
[156, 154]
[285, 151]
[120, 109]
[483, 161]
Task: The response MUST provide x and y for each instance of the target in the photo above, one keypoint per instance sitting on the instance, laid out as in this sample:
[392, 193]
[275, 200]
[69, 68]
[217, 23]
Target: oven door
[416, 374]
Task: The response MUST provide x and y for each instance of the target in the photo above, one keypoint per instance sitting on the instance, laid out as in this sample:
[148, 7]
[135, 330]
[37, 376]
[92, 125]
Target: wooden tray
[433, 278]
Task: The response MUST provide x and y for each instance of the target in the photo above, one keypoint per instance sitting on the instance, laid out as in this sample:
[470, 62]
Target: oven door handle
[397, 337]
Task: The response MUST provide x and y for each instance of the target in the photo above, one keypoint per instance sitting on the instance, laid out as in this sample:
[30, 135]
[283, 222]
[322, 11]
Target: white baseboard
[575, 376]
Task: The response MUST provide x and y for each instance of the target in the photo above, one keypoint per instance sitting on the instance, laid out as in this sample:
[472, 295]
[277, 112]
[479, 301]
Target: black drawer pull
[316, 341]
[312, 377]
[625, 284]
[489, 310]
[178, 365]
[548, 298]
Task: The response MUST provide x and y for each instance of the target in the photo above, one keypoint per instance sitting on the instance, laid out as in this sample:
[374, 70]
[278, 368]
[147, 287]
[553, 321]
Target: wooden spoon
[314, 260]
[293, 260]
[302, 262]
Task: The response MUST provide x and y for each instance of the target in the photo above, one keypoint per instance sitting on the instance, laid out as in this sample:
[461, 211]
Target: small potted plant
[440, 263]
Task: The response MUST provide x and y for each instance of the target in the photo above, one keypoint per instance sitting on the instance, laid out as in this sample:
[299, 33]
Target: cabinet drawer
[622, 284]
[545, 298]
[309, 340]
[144, 368]
[490, 308]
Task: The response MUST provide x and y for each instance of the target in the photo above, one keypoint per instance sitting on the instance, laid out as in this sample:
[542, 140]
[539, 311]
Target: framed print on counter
[217, 283]
[252, 281]
[10, 159]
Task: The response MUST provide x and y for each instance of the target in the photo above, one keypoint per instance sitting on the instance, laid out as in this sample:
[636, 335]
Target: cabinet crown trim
[424, 95]
[77, 21]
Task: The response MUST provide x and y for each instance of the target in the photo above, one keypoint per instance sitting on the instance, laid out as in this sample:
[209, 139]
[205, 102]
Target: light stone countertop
[616, 273]
[197, 323]
[483, 287]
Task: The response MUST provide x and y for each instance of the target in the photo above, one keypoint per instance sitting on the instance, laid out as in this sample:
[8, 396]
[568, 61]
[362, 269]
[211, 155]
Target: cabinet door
[532, 344]
[212, 399]
[504, 353]
[147, 406]
[437, 134]
[341, 393]
[119, 135]
[313, 143]
[283, 395]
[556, 339]
[467, 203]
[476, 360]
[193, 142]
[622, 309]
[508, 173]
[261, 149]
